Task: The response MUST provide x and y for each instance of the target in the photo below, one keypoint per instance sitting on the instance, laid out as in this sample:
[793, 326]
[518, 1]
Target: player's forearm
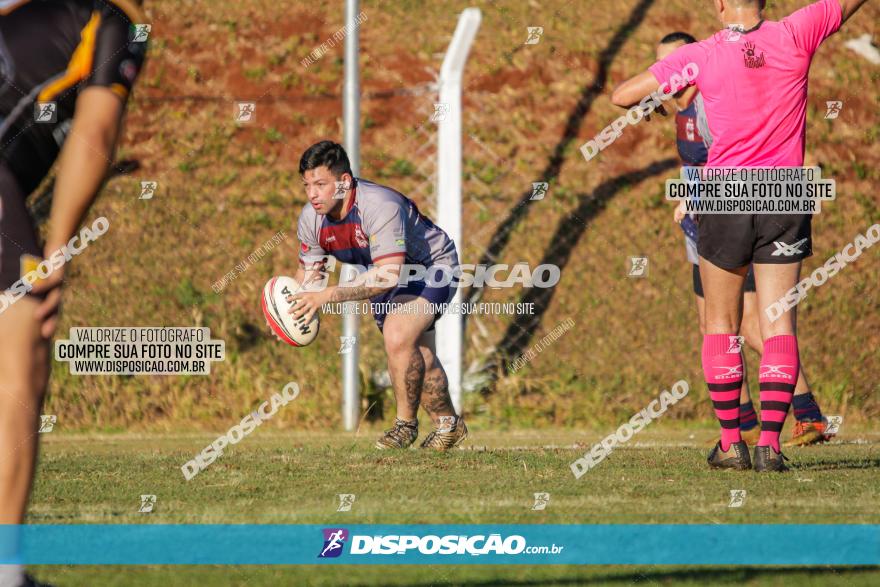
[849, 7]
[633, 90]
[378, 280]
[356, 292]
[82, 168]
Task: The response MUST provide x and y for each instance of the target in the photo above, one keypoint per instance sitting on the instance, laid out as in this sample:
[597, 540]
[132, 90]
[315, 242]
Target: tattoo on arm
[357, 292]
[377, 280]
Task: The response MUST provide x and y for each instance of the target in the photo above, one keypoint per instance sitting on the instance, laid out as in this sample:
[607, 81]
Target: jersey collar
[740, 29]
[353, 200]
[347, 208]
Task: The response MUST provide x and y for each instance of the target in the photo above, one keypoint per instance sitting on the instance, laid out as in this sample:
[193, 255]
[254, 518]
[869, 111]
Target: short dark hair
[325, 153]
[678, 36]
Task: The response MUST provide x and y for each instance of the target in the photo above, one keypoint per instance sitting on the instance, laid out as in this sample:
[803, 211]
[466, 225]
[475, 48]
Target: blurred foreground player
[66, 70]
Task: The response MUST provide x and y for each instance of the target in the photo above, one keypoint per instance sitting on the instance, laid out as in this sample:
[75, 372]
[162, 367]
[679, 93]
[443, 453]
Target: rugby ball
[295, 332]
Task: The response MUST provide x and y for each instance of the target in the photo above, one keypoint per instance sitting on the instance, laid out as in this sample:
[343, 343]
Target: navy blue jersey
[691, 148]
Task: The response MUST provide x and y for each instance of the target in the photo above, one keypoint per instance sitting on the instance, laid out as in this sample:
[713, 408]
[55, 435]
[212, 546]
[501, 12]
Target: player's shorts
[17, 234]
[748, 286]
[437, 295]
[731, 241]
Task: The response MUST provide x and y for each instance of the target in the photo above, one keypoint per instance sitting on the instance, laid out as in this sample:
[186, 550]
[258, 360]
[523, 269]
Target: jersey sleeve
[675, 64]
[386, 229]
[120, 47]
[311, 255]
[814, 23]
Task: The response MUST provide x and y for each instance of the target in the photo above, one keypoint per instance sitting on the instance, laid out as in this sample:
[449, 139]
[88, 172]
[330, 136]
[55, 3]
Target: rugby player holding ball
[362, 223]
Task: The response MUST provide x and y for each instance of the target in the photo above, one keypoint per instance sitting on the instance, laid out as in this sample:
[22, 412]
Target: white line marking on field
[640, 445]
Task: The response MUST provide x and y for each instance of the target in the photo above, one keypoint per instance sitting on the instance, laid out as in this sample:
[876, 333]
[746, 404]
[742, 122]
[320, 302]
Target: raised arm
[631, 92]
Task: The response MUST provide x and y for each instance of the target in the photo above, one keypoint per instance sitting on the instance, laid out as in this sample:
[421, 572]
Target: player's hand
[680, 212]
[306, 303]
[47, 311]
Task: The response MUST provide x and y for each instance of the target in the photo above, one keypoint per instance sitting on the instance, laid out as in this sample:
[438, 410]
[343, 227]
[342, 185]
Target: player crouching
[363, 223]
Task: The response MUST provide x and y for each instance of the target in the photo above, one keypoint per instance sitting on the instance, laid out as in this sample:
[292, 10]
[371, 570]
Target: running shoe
[735, 457]
[768, 460]
[806, 433]
[402, 435]
[448, 434]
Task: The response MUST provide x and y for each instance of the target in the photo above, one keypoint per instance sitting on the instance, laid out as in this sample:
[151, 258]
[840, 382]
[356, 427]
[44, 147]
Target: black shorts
[17, 234]
[731, 241]
[748, 286]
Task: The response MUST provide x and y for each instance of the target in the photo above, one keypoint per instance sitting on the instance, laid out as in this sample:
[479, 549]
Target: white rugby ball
[295, 332]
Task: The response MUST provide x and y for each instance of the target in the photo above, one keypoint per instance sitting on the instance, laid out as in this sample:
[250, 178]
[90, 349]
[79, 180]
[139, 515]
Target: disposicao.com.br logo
[453, 544]
[334, 540]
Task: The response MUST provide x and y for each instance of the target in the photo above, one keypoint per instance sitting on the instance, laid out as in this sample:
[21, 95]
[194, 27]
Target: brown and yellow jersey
[50, 51]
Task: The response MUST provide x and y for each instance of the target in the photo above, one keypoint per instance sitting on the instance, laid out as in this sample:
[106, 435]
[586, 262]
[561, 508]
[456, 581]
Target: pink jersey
[754, 86]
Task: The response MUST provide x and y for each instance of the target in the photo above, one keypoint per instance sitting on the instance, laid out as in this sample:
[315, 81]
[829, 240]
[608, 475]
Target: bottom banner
[270, 544]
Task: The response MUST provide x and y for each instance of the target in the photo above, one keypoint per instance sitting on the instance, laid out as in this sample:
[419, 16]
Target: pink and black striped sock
[724, 372]
[779, 373]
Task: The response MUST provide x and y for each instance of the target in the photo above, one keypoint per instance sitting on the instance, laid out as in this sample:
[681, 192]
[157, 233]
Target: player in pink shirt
[752, 76]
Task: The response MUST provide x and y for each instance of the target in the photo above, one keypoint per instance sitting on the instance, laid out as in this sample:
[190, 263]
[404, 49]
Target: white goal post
[351, 109]
[450, 328]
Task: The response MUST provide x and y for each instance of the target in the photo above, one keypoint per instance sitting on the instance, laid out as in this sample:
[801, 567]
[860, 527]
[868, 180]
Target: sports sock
[748, 419]
[447, 423]
[805, 408]
[779, 372]
[723, 371]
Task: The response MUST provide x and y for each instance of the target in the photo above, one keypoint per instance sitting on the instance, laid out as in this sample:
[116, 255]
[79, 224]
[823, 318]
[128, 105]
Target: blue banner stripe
[269, 544]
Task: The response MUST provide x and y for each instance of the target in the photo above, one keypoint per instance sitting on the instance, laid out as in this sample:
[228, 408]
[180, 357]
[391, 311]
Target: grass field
[445, 575]
[660, 477]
